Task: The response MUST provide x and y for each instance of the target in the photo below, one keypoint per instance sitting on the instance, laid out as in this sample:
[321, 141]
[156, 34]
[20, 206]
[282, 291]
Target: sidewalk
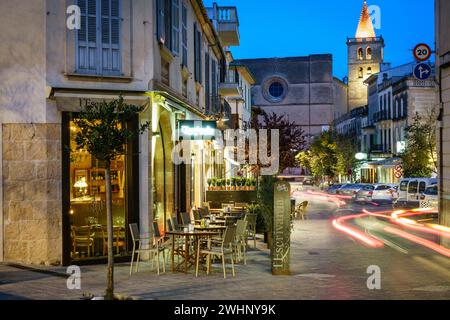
[325, 265]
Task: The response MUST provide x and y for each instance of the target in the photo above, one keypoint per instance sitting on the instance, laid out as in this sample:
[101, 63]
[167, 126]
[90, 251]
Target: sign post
[281, 247]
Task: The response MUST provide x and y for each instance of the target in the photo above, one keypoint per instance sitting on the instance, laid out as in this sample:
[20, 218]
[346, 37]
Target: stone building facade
[302, 88]
[365, 56]
[49, 71]
[442, 12]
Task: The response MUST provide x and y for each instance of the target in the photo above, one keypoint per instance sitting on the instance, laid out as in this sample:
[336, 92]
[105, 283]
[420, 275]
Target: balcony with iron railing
[381, 116]
[226, 22]
[230, 87]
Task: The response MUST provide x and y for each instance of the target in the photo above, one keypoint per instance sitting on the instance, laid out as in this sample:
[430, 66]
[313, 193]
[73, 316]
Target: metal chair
[251, 227]
[185, 218]
[241, 240]
[152, 249]
[225, 249]
[301, 210]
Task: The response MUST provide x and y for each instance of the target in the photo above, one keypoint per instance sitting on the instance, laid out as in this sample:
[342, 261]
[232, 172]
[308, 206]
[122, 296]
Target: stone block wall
[32, 203]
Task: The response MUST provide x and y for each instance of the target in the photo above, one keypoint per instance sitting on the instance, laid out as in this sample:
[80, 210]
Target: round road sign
[422, 52]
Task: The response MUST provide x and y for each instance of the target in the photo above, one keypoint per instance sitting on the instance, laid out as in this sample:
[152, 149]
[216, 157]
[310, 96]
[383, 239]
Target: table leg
[173, 254]
[186, 256]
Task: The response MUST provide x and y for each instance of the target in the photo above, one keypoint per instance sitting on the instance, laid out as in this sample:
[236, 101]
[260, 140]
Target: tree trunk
[109, 220]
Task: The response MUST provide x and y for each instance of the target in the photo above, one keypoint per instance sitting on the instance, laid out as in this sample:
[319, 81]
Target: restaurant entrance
[84, 200]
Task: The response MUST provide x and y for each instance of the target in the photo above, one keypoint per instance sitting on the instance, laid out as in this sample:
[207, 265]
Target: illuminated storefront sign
[197, 130]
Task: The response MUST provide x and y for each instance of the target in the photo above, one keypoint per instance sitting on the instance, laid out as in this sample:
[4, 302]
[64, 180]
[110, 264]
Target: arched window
[360, 73]
[369, 70]
[369, 53]
[360, 54]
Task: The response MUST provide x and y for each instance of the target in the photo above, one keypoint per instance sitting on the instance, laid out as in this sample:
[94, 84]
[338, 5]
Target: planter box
[218, 197]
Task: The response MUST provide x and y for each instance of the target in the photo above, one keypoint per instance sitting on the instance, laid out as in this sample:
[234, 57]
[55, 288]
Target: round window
[276, 90]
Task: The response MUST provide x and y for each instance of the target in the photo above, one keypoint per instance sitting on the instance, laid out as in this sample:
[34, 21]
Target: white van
[410, 190]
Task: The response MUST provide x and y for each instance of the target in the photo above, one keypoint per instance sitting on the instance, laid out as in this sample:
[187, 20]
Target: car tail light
[370, 193]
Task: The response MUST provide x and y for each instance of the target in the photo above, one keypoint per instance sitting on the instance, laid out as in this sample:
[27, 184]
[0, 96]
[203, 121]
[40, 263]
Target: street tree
[321, 157]
[104, 133]
[292, 137]
[420, 157]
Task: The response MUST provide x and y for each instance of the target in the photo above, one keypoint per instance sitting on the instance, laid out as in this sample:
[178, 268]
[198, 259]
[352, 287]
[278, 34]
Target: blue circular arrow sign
[422, 71]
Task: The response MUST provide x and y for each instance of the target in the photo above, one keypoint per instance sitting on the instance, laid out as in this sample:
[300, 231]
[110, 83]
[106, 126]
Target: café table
[196, 235]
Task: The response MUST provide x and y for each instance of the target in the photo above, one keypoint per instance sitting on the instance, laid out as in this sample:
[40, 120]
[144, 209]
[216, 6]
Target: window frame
[99, 45]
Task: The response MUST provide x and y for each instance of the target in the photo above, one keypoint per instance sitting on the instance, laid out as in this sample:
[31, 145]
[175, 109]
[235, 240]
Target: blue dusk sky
[301, 27]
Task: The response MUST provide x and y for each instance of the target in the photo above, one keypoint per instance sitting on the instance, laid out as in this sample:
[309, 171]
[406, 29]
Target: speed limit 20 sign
[422, 52]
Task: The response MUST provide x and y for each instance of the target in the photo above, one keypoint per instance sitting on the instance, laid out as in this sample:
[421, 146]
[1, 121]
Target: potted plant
[253, 183]
[248, 184]
[228, 184]
[242, 183]
[209, 181]
[222, 184]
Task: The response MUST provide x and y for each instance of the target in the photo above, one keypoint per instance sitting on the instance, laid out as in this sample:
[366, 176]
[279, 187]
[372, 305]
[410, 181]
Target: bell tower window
[360, 54]
[360, 73]
[369, 53]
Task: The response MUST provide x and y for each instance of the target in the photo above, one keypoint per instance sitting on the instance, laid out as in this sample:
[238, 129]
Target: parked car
[376, 192]
[410, 191]
[429, 198]
[350, 189]
[334, 188]
[309, 182]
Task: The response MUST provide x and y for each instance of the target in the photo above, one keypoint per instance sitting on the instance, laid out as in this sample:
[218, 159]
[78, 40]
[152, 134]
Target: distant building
[394, 97]
[302, 88]
[365, 57]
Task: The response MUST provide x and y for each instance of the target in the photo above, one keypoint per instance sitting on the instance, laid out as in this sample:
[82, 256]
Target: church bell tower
[365, 56]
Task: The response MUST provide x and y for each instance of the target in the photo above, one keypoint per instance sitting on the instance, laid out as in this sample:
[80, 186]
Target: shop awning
[73, 100]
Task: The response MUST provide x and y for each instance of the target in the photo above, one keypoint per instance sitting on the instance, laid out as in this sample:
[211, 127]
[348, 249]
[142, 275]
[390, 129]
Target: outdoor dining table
[188, 258]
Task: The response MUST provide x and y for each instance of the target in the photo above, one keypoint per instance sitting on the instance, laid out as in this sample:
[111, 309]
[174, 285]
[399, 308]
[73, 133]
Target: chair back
[207, 205]
[241, 205]
[230, 221]
[186, 218]
[84, 232]
[170, 224]
[176, 226]
[196, 214]
[304, 205]
[156, 230]
[241, 228]
[134, 229]
[251, 219]
[204, 212]
[229, 236]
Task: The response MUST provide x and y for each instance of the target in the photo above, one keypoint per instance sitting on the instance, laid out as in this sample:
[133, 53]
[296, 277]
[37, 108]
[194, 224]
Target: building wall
[442, 12]
[37, 59]
[32, 193]
[357, 90]
[309, 94]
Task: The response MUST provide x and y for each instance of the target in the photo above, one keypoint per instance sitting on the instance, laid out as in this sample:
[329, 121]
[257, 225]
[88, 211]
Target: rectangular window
[98, 40]
[198, 53]
[214, 89]
[184, 37]
[175, 45]
[207, 84]
[168, 24]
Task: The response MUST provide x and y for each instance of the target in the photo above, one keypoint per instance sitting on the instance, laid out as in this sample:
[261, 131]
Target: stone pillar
[32, 203]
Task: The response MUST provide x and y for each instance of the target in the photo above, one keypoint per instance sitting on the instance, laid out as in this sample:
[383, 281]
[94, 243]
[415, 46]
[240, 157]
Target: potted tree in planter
[228, 184]
[248, 184]
[265, 198]
[104, 133]
[253, 183]
[233, 183]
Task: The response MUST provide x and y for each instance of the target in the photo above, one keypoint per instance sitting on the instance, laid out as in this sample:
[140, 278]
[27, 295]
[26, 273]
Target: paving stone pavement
[325, 264]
